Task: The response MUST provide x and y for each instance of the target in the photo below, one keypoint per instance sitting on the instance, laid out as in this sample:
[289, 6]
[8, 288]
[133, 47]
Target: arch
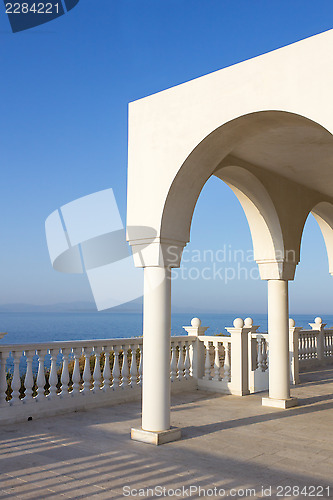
[270, 129]
[323, 213]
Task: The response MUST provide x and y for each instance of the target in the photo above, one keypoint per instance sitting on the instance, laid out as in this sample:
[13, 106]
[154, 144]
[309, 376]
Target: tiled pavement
[229, 443]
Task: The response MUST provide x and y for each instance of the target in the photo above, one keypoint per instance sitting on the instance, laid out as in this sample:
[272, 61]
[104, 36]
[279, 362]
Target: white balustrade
[38, 379]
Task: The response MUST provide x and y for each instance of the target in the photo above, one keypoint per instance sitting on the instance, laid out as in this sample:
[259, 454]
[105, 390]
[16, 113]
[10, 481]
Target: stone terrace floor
[228, 442]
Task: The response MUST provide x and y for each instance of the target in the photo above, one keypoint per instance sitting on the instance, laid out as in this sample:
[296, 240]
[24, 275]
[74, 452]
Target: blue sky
[65, 88]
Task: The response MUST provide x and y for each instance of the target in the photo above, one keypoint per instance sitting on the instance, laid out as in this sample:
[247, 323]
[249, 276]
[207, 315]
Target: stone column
[156, 349]
[157, 257]
[278, 330]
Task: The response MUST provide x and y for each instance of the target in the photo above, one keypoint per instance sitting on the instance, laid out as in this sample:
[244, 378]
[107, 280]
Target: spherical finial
[291, 323]
[238, 323]
[196, 322]
[248, 322]
[318, 320]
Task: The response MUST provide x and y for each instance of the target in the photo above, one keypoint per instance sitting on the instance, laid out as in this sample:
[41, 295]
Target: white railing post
[180, 365]
[173, 364]
[41, 374]
[16, 381]
[239, 358]
[294, 351]
[116, 369]
[125, 370]
[140, 365]
[227, 361]
[64, 374]
[188, 367]
[217, 364]
[106, 370]
[76, 377]
[53, 377]
[133, 368]
[3, 378]
[29, 379]
[97, 370]
[198, 350]
[208, 366]
[86, 377]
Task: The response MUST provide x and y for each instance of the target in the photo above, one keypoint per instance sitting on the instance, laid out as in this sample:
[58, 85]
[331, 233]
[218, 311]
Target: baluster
[173, 372]
[116, 370]
[301, 347]
[3, 378]
[329, 345]
[140, 364]
[315, 346]
[306, 346]
[207, 362]
[133, 369]
[217, 365]
[106, 371]
[325, 345]
[97, 370]
[187, 362]
[307, 349]
[226, 365]
[76, 377]
[16, 381]
[41, 375]
[260, 354]
[124, 371]
[29, 379]
[86, 372]
[53, 378]
[190, 353]
[64, 374]
[264, 355]
[180, 365]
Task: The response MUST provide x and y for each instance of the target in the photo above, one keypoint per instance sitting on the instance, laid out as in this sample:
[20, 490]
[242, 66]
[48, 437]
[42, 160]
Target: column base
[280, 403]
[158, 437]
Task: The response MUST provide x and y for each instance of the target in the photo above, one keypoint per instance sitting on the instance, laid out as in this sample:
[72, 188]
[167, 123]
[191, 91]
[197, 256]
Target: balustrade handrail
[70, 344]
[215, 338]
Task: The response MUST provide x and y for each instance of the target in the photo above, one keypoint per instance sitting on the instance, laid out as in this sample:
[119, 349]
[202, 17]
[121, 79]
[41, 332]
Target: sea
[32, 327]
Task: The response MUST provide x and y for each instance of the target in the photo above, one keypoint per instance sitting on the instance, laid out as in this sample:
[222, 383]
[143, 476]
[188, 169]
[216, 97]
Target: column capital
[276, 269]
[157, 252]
